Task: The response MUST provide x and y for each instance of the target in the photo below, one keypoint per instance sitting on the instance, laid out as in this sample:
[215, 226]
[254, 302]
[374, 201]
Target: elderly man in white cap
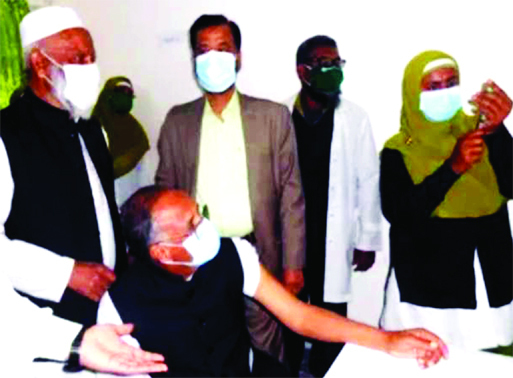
[60, 238]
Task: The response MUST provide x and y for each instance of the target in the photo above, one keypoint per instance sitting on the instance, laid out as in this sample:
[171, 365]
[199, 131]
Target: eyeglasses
[168, 243]
[328, 63]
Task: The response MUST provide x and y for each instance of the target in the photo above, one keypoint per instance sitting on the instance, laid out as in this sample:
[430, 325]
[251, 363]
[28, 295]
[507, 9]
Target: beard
[327, 100]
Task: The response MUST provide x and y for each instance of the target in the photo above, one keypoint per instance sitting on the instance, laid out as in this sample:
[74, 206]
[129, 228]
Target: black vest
[199, 325]
[53, 204]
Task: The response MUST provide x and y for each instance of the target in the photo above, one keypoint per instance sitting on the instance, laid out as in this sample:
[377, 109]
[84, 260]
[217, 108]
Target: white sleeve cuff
[250, 266]
[35, 270]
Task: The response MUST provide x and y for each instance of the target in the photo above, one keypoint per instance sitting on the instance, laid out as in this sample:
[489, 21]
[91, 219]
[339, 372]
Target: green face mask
[326, 79]
[121, 102]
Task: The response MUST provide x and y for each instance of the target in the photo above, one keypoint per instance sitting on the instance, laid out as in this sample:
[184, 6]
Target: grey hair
[137, 220]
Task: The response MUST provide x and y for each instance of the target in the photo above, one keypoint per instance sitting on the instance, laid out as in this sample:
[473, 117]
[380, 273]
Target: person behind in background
[60, 236]
[237, 156]
[340, 175]
[126, 137]
[445, 181]
[184, 294]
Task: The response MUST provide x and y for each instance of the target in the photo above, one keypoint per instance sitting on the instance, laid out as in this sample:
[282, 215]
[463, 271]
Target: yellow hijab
[128, 141]
[425, 146]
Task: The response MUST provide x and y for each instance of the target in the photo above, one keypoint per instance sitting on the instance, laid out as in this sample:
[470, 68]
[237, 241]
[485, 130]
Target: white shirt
[107, 313]
[354, 219]
[28, 331]
[36, 270]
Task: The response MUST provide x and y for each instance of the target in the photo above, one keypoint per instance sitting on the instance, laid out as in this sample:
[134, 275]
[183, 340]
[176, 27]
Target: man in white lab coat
[340, 174]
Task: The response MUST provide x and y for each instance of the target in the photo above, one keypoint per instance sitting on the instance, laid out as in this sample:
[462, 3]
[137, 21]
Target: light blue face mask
[203, 245]
[441, 104]
[215, 70]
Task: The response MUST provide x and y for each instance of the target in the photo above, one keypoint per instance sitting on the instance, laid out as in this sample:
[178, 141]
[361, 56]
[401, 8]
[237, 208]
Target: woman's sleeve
[501, 157]
[401, 199]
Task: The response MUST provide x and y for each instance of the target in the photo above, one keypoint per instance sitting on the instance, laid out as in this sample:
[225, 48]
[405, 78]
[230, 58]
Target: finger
[431, 358]
[499, 98]
[137, 353]
[119, 364]
[472, 142]
[473, 149]
[435, 341]
[124, 329]
[129, 352]
[494, 97]
[478, 133]
[474, 154]
[418, 347]
[99, 290]
[491, 106]
[131, 367]
[93, 293]
[106, 274]
[496, 88]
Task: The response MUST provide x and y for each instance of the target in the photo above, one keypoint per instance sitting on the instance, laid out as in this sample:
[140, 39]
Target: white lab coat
[354, 217]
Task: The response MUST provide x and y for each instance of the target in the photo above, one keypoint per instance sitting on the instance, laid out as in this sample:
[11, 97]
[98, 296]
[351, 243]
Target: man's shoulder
[179, 116]
[351, 109]
[261, 104]
[352, 112]
[12, 113]
[186, 108]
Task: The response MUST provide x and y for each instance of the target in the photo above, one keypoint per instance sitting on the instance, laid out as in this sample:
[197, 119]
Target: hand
[102, 350]
[91, 279]
[468, 151]
[363, 260]
[420, 344]
[293, 280]
[494, 104]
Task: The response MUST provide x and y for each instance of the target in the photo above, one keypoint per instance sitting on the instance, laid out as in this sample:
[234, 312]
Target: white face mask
[215, 71]
[79, 89]
[203, 245]
[441, 104]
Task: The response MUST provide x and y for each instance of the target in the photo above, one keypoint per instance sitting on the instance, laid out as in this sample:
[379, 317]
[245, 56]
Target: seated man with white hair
[184, 293]
[60, 236]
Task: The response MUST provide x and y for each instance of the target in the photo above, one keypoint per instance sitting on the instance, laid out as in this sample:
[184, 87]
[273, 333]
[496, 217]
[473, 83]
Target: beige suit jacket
[277, 203]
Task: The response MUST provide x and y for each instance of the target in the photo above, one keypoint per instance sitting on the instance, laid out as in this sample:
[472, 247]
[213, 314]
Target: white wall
[147, 41]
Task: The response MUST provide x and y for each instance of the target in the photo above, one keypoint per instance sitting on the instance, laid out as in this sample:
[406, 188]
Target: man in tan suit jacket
[270, 175]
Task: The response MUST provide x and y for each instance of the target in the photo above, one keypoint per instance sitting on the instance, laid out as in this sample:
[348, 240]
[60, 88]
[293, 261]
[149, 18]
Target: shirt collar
[232, 109]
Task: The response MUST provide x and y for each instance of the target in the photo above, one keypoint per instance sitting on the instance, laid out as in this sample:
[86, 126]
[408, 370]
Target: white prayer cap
[47, 21]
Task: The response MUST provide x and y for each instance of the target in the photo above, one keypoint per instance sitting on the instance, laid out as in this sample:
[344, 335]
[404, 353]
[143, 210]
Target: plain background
[147, 41]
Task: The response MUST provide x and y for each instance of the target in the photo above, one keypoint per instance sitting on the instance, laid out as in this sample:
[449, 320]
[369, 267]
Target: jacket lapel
[251, 135]
[193, 136]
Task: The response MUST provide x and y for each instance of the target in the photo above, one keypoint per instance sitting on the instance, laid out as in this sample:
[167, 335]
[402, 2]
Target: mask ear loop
[64, 102]
[54, 62]
[310, 68]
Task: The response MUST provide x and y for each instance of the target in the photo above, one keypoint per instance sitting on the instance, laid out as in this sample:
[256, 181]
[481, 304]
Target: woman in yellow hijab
[445, 180]
[127, 139]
